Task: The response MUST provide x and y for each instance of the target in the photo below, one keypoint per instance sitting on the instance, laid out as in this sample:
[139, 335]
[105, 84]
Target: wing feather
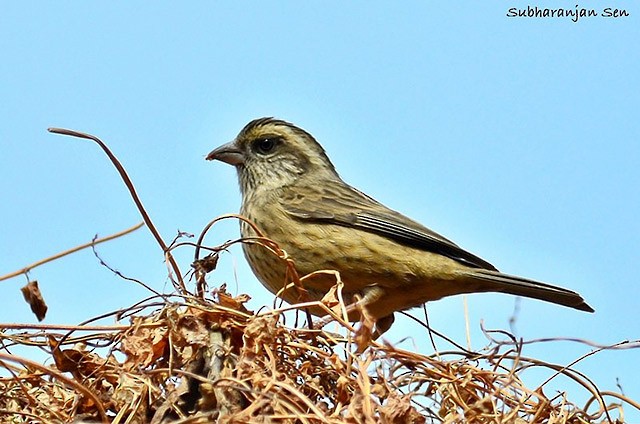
[340, 204]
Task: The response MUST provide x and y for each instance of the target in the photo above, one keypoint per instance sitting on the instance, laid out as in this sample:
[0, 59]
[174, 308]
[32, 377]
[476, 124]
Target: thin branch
[70, 251]
[60, 327]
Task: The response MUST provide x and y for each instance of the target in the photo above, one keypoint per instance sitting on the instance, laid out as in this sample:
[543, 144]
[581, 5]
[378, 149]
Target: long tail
[503, 283]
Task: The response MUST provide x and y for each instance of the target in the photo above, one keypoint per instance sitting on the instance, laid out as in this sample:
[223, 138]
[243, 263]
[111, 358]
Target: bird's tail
[493, 281]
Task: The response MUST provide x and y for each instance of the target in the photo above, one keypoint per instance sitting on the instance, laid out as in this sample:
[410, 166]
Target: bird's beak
[228, 153]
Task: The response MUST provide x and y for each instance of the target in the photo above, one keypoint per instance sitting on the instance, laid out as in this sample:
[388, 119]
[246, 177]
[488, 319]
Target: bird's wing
[340, 204]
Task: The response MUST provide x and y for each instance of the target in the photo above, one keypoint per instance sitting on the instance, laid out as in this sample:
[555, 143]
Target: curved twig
[134, 195]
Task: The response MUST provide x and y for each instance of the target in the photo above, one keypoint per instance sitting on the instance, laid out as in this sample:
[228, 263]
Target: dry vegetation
[202, 357]
[193, 360]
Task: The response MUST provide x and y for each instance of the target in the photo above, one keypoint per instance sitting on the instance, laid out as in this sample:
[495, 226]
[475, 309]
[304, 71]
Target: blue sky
[518, 138]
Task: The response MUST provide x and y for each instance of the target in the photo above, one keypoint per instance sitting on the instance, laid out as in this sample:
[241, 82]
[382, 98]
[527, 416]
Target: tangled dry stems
[193, 360]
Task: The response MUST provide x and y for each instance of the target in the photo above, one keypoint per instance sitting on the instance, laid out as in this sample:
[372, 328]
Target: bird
[386, 261]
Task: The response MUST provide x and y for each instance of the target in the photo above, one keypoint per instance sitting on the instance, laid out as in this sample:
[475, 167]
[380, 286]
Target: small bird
[292, 192]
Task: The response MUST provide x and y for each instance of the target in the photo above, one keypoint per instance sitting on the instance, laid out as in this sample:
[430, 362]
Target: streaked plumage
[292, 192]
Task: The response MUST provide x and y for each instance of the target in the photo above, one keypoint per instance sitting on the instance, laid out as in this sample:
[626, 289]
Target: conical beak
[228, 153]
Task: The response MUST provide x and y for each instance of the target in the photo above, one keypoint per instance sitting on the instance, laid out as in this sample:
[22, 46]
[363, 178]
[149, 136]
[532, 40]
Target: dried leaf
[399, 410]
[144, 346]
[228, 301]
[33, 296]
[206, 264]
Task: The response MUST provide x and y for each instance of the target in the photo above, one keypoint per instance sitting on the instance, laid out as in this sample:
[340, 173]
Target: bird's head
[269, 153]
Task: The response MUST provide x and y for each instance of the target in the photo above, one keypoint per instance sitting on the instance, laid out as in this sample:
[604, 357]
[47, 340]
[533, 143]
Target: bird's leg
[371, 295]
[382, 325]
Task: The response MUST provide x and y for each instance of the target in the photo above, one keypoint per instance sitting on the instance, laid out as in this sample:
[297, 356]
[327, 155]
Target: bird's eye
[265, 145]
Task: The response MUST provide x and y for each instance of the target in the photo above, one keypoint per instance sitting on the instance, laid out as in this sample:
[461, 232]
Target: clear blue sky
[517, 138]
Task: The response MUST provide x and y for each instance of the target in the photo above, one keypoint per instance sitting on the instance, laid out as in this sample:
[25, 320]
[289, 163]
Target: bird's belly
[362, 260]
